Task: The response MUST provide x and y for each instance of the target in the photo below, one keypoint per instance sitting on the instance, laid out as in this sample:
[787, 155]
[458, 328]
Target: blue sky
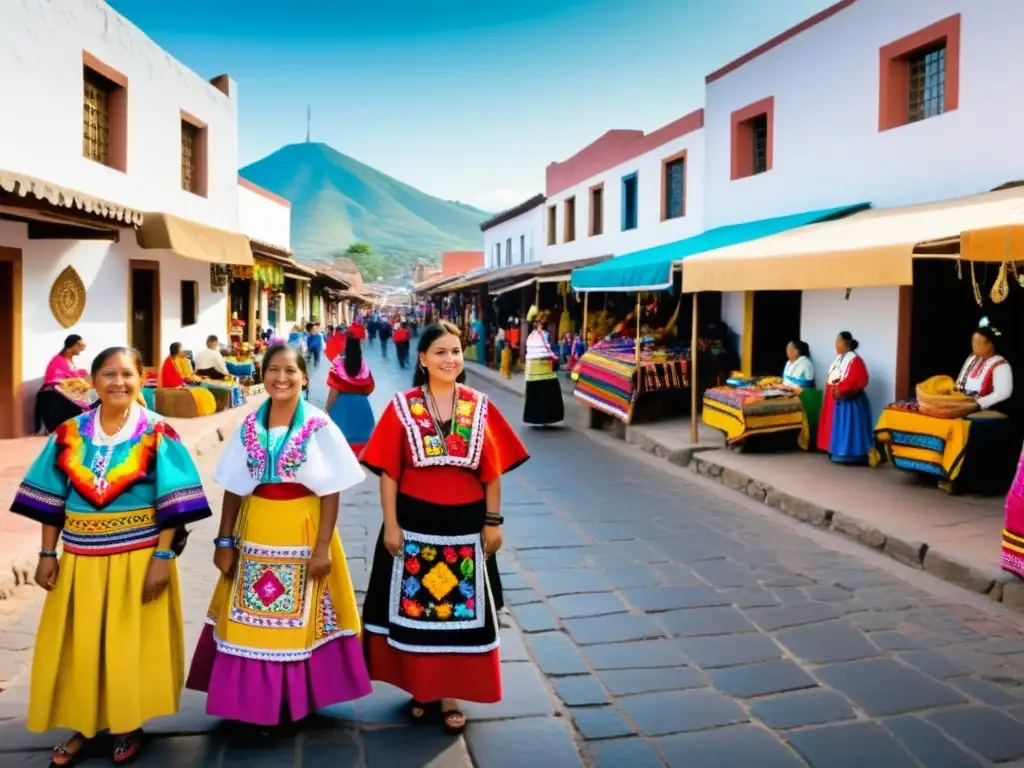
[463, 99]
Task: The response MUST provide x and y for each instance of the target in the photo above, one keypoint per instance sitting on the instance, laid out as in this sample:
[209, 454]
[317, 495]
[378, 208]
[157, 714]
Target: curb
[996, 584]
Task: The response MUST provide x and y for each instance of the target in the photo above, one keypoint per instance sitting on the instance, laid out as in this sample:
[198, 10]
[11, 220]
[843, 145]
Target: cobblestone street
[656, 620]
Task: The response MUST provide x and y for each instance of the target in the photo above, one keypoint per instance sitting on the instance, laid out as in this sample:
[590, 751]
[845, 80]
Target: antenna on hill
[309, 120]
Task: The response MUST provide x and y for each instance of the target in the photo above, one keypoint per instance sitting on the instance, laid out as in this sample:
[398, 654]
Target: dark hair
[71, 340]
[802, 348]
[353, 356]
[851, 342]
[210, 339]
[101, 359]
[990, 333]
[431, 334]
[309, 327]
[175, 348]
[277, 349]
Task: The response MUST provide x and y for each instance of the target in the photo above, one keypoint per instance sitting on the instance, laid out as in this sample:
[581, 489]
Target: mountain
[337, 201]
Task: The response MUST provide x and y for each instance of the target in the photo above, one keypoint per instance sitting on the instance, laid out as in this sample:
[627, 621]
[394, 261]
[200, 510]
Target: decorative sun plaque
[67, 297]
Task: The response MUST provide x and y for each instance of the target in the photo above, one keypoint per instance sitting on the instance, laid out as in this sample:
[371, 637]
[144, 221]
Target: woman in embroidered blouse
[348, 402]
[65, 390]
[543, 405]
[990, 453]
[845, 427]
[440, 450]
[114, 484]
[282, 631]
[799, 370]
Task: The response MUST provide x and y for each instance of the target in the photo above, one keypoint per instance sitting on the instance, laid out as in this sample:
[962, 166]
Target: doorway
[776, 323]
[144, 310]
[11, 416]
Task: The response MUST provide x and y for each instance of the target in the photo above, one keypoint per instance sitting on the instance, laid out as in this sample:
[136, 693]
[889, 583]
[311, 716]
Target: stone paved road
[662, 623]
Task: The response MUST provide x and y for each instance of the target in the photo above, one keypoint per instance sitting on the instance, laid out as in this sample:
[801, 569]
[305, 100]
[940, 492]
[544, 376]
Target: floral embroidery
[462, 448]
[294, 455]
[100, 465]
[256, 454]
[439, 584]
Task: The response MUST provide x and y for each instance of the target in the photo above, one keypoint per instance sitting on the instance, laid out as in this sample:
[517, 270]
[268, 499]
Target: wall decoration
[67, 297]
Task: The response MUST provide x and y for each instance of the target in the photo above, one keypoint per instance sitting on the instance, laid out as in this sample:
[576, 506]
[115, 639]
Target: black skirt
[435, 597]
[990, 457]
[543, 403]
[53, 409]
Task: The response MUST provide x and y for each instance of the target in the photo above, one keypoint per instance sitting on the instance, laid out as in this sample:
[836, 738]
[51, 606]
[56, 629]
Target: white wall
[650, 230]
[41, 46]
[264, 219]
[827, 146]
[104, 269]
[872, 316]
[529, 225]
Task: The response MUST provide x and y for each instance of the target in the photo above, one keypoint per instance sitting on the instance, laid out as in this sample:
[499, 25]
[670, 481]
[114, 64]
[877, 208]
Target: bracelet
[492, 519]
[225, 542]
[164, 554]
[47, 553]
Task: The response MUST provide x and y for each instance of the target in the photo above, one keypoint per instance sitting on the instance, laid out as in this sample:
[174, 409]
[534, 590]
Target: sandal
[451, 719]
[63, 757]
[419, 711]
[127, 747]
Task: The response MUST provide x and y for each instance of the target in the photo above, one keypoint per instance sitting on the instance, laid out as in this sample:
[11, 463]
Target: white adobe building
[158, 144]
[516, 235]
[841, 122]
[627, 191]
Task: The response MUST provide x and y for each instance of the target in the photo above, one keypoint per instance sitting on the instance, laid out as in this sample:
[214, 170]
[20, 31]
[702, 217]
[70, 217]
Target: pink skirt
[268, 692]
[1012, 558]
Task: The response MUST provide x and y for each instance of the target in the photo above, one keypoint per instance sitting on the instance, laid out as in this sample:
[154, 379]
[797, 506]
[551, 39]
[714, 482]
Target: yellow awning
[1005, 243]
[872, 248]
[192, 240]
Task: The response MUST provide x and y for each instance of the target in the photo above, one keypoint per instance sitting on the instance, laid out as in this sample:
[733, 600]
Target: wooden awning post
[586, 303]
[638, 317]
[693, 374]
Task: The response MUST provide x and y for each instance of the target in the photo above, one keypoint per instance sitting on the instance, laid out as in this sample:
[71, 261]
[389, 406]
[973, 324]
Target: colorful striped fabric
[606, 379]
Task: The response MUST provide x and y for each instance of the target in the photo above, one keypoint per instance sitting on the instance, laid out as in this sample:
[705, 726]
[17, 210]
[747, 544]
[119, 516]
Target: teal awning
[651, 268]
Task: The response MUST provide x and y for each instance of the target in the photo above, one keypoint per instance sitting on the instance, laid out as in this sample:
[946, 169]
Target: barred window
[189, 146]
[759, 134]
[673, 186]
[96, 117]
[927, 91]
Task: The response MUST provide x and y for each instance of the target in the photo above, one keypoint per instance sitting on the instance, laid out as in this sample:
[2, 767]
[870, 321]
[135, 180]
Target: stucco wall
[41, 55]
[263, 218]
[529, 225]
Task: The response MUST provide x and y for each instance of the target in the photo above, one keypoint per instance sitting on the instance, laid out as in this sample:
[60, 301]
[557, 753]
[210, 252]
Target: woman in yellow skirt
[282, 635]
[114, 484]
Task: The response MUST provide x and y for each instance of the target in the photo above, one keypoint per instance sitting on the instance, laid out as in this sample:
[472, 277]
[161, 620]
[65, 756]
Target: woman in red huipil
[429, 616]
[348, 402]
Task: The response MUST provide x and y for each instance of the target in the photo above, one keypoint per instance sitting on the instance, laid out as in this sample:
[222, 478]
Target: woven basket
[954, 406]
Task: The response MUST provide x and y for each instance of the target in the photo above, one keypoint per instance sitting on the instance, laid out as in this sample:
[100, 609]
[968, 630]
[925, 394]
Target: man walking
[384, 331]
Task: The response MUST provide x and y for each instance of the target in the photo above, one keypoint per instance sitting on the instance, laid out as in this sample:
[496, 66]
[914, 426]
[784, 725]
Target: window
[570, 219]
[497, 254]
[597, 210]
[104, 114]
[189, 303]
[508, 252]
[522, 249]
[927, 96]
[919, 75]
[552, 224]
[752, 139]
[629, 202]
[193, 155]
[673, 187]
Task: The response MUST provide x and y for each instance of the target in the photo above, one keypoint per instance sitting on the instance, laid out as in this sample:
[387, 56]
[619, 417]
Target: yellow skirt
[270, 611]
[103, 660]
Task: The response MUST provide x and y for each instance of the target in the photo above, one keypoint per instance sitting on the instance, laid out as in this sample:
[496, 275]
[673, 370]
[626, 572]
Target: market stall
[743, 409]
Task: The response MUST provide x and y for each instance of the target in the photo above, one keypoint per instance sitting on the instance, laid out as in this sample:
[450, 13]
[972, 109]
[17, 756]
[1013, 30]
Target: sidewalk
[19, 537]
[954, 538]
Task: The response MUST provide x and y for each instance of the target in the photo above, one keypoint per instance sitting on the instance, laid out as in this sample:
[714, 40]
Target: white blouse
[324, 463]
[801, 368]
[1002, 381]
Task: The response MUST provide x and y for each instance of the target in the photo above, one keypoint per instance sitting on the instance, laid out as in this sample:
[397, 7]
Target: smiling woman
[440, 450]
[282, 632]
[114, 484]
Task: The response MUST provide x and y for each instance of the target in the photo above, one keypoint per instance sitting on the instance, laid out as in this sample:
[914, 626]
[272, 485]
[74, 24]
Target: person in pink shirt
[59, 400]
[62, 366]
